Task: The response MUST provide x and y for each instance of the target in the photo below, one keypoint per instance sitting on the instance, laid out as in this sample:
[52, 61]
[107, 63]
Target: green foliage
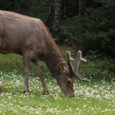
[36, 8]
[94, 31]
[71, 7]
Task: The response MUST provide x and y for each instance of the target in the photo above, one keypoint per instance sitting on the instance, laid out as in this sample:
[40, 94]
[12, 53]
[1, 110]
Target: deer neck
[52, 60]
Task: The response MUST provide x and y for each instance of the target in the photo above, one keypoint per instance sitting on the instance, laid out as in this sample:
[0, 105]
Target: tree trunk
[57, 19]
[50, 16]
[82, 7]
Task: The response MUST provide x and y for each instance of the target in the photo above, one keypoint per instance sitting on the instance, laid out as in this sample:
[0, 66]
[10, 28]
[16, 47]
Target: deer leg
[0, 90]
[26, 74]
[40, 74]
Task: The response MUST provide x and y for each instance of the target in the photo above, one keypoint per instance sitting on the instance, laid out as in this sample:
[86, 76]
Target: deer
[31, 38]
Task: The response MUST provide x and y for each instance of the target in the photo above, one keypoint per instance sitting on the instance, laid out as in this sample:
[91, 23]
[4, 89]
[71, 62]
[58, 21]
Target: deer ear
[64, 68]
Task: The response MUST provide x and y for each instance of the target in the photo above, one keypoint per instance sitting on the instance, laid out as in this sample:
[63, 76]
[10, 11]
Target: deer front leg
[26, 74]
[40, 74]
[0, 90]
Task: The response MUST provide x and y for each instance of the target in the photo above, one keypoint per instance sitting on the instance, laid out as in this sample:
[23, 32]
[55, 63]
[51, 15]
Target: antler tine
[69, 59]
[78, 59]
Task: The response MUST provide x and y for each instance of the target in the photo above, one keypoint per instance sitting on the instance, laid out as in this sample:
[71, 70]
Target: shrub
[94, 31]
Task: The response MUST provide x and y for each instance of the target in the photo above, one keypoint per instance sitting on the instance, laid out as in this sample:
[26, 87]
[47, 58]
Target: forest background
[83, 24]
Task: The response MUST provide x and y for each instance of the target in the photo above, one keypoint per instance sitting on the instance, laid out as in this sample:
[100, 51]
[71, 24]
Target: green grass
[94, 98]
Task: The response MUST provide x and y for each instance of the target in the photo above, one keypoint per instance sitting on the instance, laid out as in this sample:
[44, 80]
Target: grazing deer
[30, 38]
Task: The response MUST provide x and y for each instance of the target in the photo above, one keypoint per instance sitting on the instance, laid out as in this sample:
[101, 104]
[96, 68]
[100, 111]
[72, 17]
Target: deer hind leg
[40, 74]
[26, 61]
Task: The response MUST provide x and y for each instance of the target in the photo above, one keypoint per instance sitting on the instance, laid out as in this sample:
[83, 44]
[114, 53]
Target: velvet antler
[73, 67]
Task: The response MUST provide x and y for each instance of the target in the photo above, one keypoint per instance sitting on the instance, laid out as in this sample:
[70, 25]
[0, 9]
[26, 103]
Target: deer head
[74, 64]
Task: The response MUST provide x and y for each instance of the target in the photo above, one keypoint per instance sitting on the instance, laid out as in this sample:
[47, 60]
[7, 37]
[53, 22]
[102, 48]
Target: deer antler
[74, 67]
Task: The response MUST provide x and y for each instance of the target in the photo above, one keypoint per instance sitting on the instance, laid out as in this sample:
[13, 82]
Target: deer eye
[69, 81]
[67, 74]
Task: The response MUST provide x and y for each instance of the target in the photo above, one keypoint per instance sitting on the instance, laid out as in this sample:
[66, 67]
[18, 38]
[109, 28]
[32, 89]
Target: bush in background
[95, 31]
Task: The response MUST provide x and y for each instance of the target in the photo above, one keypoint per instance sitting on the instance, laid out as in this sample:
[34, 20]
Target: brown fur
[31, 38]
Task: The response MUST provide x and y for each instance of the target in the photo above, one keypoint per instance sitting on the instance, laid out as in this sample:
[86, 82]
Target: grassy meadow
[96, 97]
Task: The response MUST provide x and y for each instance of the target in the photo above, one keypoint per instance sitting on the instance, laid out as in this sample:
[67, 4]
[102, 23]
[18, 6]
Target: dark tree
[57, 19]
[57, 12]
[82, 7]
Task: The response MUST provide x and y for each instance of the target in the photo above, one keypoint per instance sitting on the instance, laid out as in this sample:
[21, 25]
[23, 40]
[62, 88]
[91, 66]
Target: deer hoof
[46, 92]
[26, 92]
